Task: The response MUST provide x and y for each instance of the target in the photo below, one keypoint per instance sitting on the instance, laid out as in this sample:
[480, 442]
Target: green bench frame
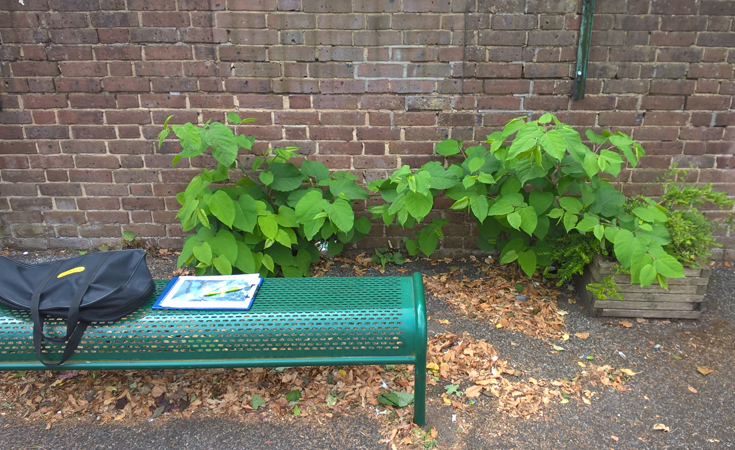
[293, 322]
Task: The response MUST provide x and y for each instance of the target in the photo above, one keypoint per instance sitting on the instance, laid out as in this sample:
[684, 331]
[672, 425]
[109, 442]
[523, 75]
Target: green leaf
[245, 215]
[571, 204]
[595, 138]
[591, 165]
[221, 206]
[545, 118]
[527, 261]
[669, 267]
[224, 145]
[514, 220]
[428, 243]
[500, 208]
[419, 205]
[510, 186]
[623, 247]
[266, 178]
[448, 147]
[224, 244]
[347, 187]
[479, 206]
[524, 140]
[529, 219]
[587, 223]
[309, 206]
[648, 275]
[245, 261]
[268, 263]
[315, 169]
[286, 217]
[540, 201]
[341, 214]
[268, 225]
[612, 160]
[475, 164]
[396, 399]
[292, 271]
[233, 118]
[286, 177]
[222, 265]
[570, 220]
[363, 225]
[554, 144]
[257, 401]
[294, 396]
[509, 257]
[555, 213]
[203, 252]
[599, 231]
[662, 281]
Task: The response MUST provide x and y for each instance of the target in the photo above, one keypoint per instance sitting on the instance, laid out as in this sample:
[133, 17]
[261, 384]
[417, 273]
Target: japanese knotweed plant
[269, 219]
[532, 183]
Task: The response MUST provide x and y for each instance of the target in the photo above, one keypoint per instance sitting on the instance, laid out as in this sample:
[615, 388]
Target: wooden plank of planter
[673, 298]
[606, 268]
[624, 304]
[652, 313]
[598, 275]
[656, 289]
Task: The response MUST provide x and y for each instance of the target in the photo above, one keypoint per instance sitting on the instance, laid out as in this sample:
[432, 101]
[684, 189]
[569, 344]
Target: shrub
[534, 183]
[270, 218]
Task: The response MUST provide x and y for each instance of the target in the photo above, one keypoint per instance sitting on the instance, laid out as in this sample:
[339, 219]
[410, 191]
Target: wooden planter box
[683, 300]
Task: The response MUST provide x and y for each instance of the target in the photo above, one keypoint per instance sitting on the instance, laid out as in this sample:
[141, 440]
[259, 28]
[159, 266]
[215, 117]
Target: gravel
[660, 393]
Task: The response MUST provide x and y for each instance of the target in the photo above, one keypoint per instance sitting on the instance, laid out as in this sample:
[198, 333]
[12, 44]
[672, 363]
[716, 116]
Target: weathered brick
[652, 102]
[128, 52]
[716, 39]
[720, 71]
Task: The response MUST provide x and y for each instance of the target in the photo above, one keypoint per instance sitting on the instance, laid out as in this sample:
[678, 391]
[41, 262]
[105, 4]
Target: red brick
[242, 53]
[77, 117]
[158, 69]
[174, 84]
[336, 101]
[92, 101]
[113, 19]
[672, 87]
[666, 118]
[652, 102]
[84, 132]
[35, 69]
[251, 85]
[378, 133]
[77, 85]
[123, 117]
[162, 101]
[163, 52]
[340, 148]
[128, 52]
[330, 133]
[132, 84]
[532, 70]
[391, 102]
[721, 71]
[412, 86]
[295, 118]
[708, 103]
[342, 118]
[114, 35]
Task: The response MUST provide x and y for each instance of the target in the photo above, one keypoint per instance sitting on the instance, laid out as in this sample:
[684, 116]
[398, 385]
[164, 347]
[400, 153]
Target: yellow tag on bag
[71, 271]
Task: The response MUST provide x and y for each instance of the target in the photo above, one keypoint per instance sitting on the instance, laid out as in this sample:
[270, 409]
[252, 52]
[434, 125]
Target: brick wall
[361, 85]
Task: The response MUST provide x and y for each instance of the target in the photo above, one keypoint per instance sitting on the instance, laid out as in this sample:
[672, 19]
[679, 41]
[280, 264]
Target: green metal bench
[293, 322]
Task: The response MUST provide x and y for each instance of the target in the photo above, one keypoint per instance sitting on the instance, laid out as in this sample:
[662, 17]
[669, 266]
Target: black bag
[96, 287]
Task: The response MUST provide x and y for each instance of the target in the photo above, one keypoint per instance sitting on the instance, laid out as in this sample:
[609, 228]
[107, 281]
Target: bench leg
[419, 395]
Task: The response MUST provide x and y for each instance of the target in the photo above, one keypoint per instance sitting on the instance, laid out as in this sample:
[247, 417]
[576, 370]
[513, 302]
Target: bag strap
[74, 328]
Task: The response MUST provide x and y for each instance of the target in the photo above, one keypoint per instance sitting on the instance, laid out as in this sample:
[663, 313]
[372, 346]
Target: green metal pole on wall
[583, 48]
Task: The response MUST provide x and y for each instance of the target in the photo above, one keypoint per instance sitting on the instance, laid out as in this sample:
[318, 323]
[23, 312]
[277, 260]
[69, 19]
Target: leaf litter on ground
[474, 367]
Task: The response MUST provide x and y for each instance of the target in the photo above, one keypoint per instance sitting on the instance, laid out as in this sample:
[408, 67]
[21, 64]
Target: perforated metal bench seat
[293, 322]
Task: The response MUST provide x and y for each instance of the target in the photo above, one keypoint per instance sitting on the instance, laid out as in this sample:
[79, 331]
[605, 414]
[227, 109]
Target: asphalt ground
[667, 389]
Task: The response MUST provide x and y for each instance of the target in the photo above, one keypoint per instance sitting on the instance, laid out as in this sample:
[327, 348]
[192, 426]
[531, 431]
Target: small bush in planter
[534, 184]
[269, 219]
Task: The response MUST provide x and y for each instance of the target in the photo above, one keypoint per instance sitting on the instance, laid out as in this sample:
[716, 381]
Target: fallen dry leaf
[614, 438]
[692, 389]
[443, 322]
[628, 372]
[582, 335]
[626, 324]
[661, 427]
[473, 391]
[704, 370]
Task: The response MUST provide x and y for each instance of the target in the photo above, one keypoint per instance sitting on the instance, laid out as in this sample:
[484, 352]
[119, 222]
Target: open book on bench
[210, 292]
